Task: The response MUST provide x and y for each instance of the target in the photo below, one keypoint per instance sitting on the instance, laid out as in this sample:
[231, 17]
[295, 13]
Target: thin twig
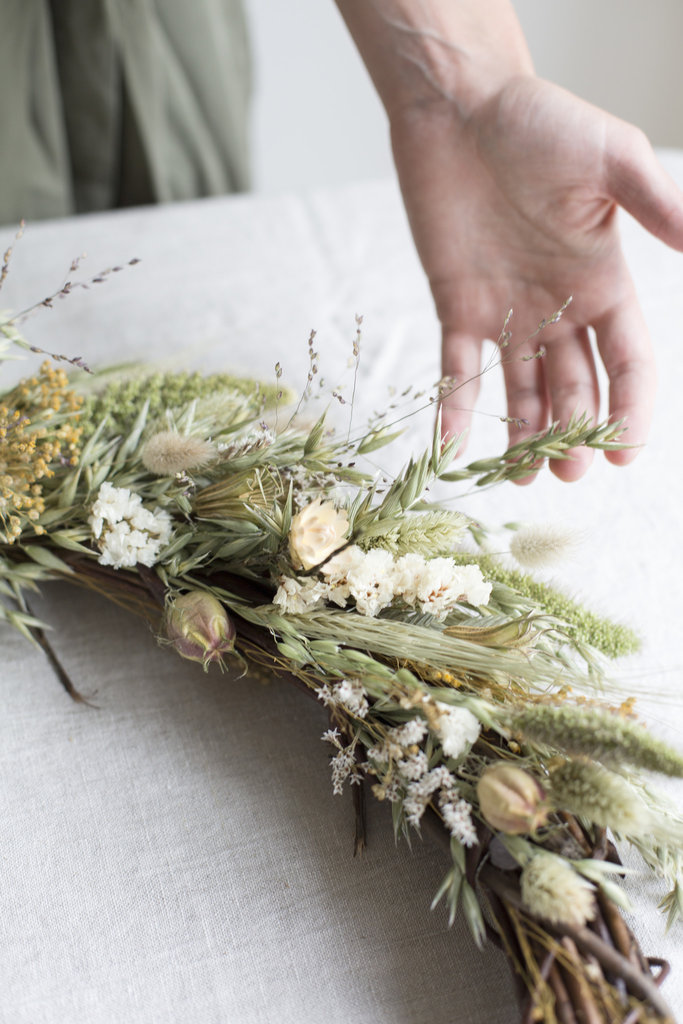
[359, 807]
[55, 664]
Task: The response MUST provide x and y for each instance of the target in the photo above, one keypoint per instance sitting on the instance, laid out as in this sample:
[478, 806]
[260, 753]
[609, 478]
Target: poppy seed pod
[198, 627]
[511, 800]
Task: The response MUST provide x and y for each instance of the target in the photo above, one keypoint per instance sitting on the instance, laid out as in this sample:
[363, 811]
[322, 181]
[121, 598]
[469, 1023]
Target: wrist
[438, 54]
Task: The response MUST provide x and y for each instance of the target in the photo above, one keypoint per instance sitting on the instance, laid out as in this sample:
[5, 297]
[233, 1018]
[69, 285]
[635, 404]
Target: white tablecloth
[176, 854]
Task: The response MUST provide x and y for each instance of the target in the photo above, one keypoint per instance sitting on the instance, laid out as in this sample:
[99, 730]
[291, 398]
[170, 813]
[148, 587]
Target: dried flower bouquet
[459, 689]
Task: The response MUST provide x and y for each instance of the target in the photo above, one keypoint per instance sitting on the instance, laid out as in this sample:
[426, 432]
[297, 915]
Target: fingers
[555, 386]
[626, 351]
[527, 397]
[573, 389]
[639, 183]
[461, 361]
[563, 383]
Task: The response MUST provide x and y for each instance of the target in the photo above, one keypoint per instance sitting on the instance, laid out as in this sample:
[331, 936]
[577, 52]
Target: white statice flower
[348, 694]
[367, 576]
[414, 731]
[414, 766]
[457, 728]
[370, 581]
[382, 753]
[394, 746]
[375, 578]
[253, 440]
[457, 816]
[296, 597]
[408, 572]
[336, 571]
[419, 793]
[414, 804]
[351, 695]
[127, 533]
[439, 587]
[343, 765]
[436, 585]
[476, 589]
[111, 506]
[443, 584]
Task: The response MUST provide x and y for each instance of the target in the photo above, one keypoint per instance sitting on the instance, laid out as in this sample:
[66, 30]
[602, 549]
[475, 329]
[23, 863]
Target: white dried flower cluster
[348, 694]
[394, 746]
[375, 578]
[457, 816]
[126, 532]
[295, 597]
[416, 784]
[457, 729]
[344, 765]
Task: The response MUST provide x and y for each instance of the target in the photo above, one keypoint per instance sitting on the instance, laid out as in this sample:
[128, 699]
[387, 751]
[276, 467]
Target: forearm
[420, 52]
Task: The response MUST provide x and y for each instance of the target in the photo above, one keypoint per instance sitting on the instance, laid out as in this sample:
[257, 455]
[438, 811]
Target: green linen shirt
[109, 103]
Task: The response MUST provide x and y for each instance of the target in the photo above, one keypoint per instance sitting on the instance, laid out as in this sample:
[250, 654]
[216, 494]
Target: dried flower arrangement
[460, 690]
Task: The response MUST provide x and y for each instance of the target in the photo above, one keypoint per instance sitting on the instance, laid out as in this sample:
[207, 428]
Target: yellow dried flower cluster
[37, 429]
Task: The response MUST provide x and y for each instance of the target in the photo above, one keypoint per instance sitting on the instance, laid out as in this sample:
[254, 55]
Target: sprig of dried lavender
[63, 292]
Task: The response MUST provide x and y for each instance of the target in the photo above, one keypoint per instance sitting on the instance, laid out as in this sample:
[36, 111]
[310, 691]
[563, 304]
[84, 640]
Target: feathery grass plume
[168, 453]
[596, 733]
[517, 589]
[591, 791]
[431, 534]
[553, 890]
[535, 546]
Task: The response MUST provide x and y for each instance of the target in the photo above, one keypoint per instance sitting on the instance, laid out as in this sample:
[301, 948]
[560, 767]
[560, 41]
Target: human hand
[515, 206]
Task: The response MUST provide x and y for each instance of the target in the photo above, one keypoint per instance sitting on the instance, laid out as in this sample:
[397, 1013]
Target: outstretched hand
[515, 206]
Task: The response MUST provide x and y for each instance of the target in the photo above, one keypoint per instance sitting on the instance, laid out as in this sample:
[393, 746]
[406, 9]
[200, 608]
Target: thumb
[639, 183]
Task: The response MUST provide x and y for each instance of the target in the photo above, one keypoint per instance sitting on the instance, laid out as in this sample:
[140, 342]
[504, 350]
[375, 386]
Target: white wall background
[317, 119]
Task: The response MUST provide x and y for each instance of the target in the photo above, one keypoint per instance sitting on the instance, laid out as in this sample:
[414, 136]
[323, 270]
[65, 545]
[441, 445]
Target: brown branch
[640, 984]
[563, 1004]
[529, 1015]
[578, 986]
[622, 935]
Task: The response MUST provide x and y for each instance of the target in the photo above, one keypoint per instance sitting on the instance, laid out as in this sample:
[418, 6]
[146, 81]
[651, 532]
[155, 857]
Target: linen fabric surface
[115, 103]
[174, 853]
